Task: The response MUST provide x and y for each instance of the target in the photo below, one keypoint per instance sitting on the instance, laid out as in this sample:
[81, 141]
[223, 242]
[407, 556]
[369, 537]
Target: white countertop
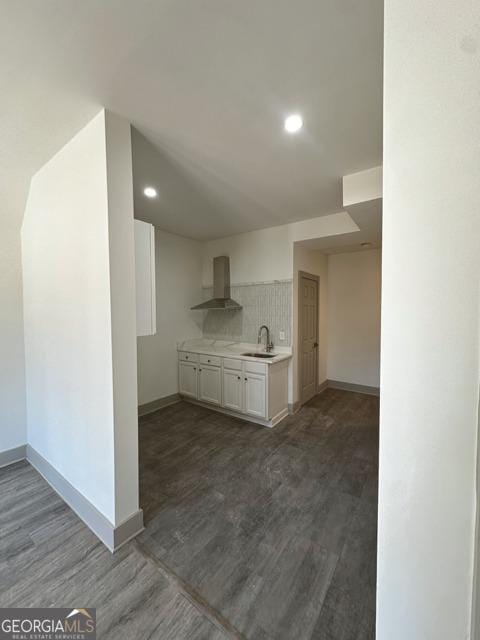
[233, 350]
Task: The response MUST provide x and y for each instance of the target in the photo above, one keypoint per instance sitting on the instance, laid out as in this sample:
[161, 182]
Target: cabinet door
[255, 395]
[187, 379]
[145, 278]
[232, 390]
[210, 384]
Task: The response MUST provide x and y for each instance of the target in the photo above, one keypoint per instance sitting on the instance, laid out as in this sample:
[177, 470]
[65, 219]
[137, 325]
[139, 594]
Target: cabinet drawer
[187, 356]
[255, 367]
[213, 360]
[230, 363]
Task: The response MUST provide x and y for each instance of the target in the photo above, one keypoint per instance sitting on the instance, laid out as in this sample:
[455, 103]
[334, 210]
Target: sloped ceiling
[206, 85]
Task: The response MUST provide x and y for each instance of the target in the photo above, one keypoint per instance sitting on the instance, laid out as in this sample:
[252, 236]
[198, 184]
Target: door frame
[309, 276]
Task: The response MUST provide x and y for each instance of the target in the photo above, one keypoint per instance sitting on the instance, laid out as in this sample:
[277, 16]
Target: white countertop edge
[232, 350]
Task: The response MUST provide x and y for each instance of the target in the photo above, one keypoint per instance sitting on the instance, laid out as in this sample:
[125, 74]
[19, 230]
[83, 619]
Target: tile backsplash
[267, 303]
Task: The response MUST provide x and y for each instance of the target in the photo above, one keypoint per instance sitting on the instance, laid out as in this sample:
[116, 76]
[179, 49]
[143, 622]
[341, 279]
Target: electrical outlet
[281, 335]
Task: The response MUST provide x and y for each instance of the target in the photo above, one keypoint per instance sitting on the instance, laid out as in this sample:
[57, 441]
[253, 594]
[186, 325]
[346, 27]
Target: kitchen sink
[260, 355]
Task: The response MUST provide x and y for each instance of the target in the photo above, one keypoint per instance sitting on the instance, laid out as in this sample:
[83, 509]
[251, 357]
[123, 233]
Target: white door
[308, 329]
[210, 384]
[232, 390]
[255, 395]
[187, 379]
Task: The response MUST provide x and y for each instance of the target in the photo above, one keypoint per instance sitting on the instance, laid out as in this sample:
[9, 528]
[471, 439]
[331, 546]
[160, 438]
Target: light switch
[281, 335]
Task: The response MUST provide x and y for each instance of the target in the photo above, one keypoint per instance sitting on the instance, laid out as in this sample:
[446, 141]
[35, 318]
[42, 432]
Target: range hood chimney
[221, 287]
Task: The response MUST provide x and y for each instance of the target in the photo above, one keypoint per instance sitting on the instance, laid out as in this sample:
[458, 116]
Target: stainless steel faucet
[269, 345]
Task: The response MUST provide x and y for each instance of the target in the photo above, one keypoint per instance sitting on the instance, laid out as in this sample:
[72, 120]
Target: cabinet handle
[246, 379]
[238, 377]
[186, 357]
[199, 369]
[208, 360]
[194, 368]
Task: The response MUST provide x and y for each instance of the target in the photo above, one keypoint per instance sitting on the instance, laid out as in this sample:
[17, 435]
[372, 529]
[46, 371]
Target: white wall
[316, 263]
[362, 186]
[121, 239]
[267, 254]
[13, 430]
[430, 320]
[256, 256]
[183, 266]
[79, 310]
[178, 287]
[354, 317]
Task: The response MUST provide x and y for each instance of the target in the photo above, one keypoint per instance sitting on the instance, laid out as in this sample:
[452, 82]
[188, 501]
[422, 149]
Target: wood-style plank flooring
[257, 533]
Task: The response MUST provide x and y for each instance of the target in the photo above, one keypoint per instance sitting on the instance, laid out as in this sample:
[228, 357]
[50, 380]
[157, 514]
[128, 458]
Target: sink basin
[260, 355]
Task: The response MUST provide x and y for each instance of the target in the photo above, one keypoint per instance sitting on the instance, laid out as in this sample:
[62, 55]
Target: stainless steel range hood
[221, 287]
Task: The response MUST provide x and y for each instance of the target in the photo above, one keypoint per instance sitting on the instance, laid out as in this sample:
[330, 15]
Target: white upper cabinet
[145, 278]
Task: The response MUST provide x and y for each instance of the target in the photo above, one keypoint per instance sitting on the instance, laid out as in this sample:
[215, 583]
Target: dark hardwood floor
[257, 533]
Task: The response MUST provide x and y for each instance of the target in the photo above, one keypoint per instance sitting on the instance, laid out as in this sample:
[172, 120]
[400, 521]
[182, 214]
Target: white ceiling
[368, 217]
[206, 84]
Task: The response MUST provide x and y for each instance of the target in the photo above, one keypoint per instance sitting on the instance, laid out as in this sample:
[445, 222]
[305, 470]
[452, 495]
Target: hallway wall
[178, 280]
[430, 368]
[13, 428]
[354, 317]
[79, 301]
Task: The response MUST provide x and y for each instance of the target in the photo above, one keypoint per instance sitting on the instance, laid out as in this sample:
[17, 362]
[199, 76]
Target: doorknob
[315, 345]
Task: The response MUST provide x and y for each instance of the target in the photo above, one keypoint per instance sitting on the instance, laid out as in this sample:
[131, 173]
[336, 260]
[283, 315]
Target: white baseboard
[112, 536]
[241, 416]
[279, 417]
[293, 407]
[155, 405]
[13, 455]
[350, 386]
[342, 386]
[322, 386]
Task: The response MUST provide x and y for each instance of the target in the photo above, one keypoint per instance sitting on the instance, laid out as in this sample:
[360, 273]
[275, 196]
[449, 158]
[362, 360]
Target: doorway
[308, 303]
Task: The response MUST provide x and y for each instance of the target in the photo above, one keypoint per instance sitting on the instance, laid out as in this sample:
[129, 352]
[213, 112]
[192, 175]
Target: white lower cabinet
[187, 379]
[233, 390]
[245, 392]
[253, 389]
[255, 395]
[210, 384]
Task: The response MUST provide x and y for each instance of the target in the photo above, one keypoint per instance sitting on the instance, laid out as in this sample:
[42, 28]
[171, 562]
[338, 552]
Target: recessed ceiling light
[293, 123]
[150, 192]
[366, 244]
